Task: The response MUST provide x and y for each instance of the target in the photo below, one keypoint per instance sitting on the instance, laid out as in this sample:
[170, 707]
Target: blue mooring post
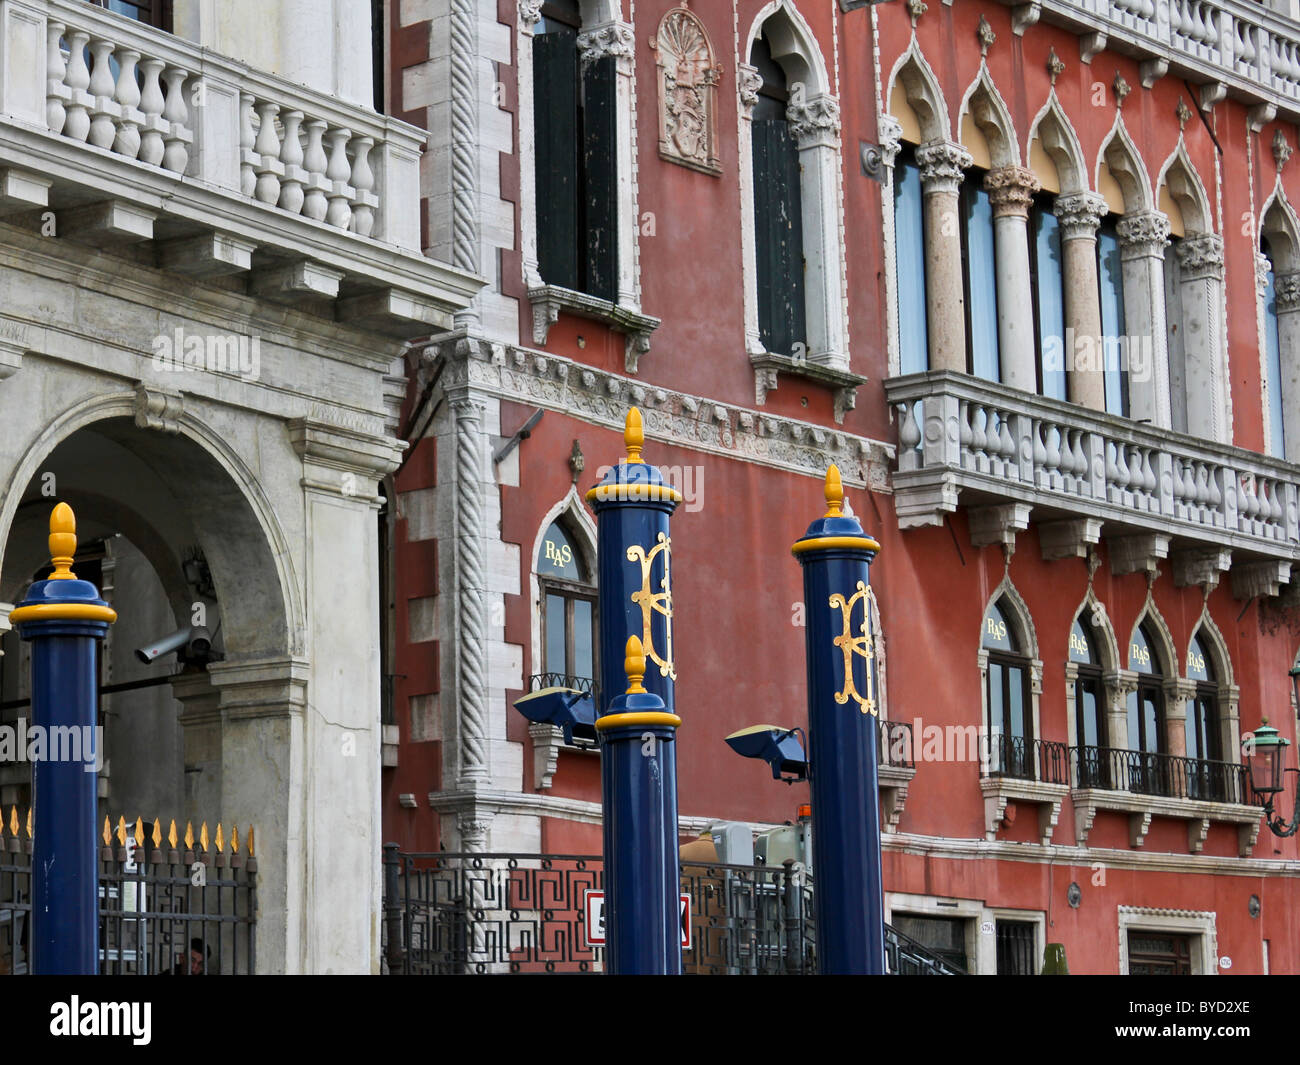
[64, 619]
[633, 505]
[848, 892]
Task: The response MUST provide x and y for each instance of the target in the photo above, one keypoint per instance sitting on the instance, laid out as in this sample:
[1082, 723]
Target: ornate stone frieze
[1080, 214]
[814, 120]
[688, 81]
[1011, 191]
[559, 384]
[1144, 233]
[942, 164]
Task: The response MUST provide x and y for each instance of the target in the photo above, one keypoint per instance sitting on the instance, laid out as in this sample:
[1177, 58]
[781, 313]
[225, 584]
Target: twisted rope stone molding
[700, 424]
[464, 140]
[471, 586]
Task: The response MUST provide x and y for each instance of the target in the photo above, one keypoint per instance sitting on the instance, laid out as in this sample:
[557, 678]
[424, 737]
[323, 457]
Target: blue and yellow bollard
[642, 870]
[633, 504]
[64, 619]
[843, 739]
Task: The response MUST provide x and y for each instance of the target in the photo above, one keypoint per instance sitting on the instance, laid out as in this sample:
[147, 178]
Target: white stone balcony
[1222, 46]
[116, 134]
[1154, 494]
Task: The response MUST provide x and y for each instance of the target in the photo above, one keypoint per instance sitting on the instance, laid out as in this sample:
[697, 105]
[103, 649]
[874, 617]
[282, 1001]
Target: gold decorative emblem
[860, 645]
[652, 603]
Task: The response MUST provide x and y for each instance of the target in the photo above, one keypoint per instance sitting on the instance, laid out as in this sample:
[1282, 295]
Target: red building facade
[1028, 275]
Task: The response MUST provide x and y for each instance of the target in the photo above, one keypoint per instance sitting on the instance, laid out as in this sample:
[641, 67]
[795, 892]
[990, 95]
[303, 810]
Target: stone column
[1079, 216]
[1011, 190]
[1200, 272]
[815, 124]
[942, 164]
[530, 13]
[1286, 290]
[748, 82]
[890, 132]
[1145, 350]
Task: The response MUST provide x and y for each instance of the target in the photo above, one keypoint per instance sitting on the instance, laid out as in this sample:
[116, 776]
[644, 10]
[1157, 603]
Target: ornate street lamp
[1264, 764]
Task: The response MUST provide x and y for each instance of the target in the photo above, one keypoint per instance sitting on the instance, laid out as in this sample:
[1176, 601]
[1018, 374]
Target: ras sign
[594, 918]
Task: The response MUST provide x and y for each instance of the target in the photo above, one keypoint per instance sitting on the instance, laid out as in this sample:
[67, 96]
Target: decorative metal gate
[524, 913]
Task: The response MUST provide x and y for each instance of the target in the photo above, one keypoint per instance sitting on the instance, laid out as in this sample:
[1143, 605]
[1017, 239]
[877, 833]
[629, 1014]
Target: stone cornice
[349, 451]
[601, 397]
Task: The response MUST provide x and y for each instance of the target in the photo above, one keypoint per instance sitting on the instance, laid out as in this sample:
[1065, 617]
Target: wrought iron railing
[1046, 761]
[1163, 775]
[904, 956]
[896, 745]
[538, 681]
[166, 905]
[525, 913]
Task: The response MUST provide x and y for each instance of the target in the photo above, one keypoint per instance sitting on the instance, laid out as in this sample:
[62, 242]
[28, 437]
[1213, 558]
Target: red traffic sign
[593, 904]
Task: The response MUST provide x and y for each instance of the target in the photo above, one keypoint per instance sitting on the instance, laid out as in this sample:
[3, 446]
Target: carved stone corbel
[158, 408]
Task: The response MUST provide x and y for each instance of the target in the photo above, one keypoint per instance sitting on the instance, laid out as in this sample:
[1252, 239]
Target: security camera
[193, 640]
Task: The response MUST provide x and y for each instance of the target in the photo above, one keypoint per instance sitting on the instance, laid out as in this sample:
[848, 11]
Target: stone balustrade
[122, 87]
[963, 438]
[1238, 45]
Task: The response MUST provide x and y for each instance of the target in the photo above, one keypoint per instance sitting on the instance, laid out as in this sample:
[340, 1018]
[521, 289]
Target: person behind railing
[197, 966]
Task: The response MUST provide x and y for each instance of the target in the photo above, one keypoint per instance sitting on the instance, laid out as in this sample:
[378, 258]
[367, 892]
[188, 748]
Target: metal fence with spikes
[168, 903]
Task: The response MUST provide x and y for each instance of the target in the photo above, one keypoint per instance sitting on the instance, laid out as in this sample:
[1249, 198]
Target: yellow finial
[250, 842]
[63, 542]
[634, 666]
[108, 833]
[171, 835]
[633, 435]
[834, 492]
[157, 834]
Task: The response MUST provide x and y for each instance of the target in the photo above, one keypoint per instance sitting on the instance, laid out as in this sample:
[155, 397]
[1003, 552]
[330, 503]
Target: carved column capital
[813, 121]
[1286, 290]
[1143, 234]
[1080, 215]
[1200, 256]
[748, 82]
[1011, 191]
[1263, 267]
[530, 13]
[890, 132]
[943, 164]
[612, 39]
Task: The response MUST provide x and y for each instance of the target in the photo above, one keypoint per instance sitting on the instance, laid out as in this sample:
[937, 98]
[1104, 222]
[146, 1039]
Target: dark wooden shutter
[600, 171]
[555, 110]
[778, 228]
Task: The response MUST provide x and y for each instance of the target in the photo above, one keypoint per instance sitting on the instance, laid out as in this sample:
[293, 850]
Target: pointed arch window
[1007, 696]
[979, 277]
[1146, 716]
[568, 609]
[778, 210]
[1204, 736]
[1048, 272]
[1110, 279]
[1089, 705]
[909, 263]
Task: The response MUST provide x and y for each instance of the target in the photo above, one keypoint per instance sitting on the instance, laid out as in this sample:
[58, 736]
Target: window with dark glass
[1273, 361]
[1204, 740]
[575, 122]
[909, 260]
[778, 210]
[1049, 296]
[1089, 706]
[568, 611]
[1174, 329]
[1017, 952]
[1159, 954]
[153, 12]
[1007, 697]
[1146, 719]
[1110, 277]
[979, 276]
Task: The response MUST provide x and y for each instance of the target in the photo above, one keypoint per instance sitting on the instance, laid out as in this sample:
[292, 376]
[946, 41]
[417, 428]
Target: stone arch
[915, 78]
[1185, 188]
[794, 46]
[1159, 629]
[1101, 625]
[1278, 222]
[1125, 163]
[1212, 639]
[986, 107]
[249, 551]
[1055, 132]
[1018, 614]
